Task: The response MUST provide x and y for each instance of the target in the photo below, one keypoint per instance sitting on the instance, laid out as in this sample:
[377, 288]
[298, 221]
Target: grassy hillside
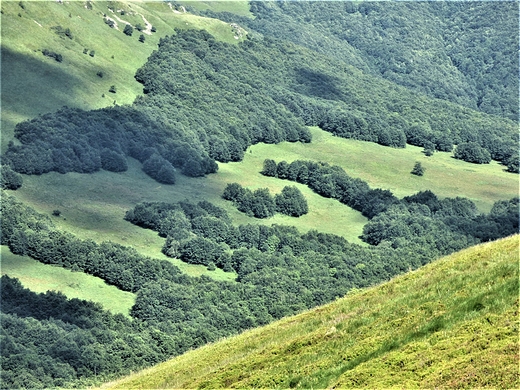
[34, 84]
[40, 277]
[453, 323]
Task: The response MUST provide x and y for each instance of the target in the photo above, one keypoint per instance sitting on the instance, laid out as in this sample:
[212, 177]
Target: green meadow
[451, 324]
[40, 278]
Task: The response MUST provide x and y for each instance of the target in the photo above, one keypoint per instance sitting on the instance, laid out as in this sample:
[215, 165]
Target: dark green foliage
[112, 89]
[141, 38]
[113, 161]
[51, 54]
[49, 340]
[280, 272]
[270, 168]
[128, 30]
[219, 99]
[418, 169]
[159, 169]
[472, 152]
[99, 74]
[56, 213]
[9, 179]
[291, 202]
[513, 164]
[92, 53]
[474, 63]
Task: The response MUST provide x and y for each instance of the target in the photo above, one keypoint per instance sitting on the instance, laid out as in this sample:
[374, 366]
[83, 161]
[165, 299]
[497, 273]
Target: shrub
[418, 169]
[128, 30]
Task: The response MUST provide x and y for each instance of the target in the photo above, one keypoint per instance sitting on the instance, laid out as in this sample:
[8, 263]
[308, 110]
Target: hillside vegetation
[30, 27]
[197, 169]
[451, 324]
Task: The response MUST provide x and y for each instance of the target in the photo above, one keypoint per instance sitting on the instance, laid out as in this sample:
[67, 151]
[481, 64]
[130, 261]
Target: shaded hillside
[458, 51]
[453, 323]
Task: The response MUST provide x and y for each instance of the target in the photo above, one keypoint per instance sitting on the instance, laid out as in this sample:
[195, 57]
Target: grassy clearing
[453, 323]
[40, 277]
[389, 168]
[33, 84]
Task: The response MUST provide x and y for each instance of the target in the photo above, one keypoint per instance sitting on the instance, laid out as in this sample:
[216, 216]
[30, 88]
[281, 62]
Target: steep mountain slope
[34, 84]
[453, 323]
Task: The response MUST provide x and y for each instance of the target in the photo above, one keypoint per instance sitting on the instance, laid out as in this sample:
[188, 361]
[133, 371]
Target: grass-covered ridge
[453, 323]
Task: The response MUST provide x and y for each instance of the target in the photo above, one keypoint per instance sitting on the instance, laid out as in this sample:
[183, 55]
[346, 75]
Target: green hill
[450, 324]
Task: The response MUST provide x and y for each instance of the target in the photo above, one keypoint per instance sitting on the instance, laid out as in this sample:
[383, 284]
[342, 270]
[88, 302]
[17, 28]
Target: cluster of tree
[279, 272]
[9, 179]
[260, 203]
[420, 217]
[87, 141]
[27, 232]
[48, 53]
[50, 341]
[472, 152]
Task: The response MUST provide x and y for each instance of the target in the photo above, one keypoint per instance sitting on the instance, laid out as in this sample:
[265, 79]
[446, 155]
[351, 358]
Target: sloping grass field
[41, 278]
[451, 324]
[34, 84]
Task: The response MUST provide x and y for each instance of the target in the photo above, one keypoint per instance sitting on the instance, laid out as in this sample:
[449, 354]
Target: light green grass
[33, 84]
[451, 324]
[237, 7]
[40, 277]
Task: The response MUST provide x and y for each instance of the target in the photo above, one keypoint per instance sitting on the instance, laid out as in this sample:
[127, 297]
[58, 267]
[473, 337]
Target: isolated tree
[128, 30]
[141, 38]
[418, 169]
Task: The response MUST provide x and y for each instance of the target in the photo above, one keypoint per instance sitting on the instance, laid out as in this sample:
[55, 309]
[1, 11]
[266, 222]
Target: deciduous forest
[438, 75]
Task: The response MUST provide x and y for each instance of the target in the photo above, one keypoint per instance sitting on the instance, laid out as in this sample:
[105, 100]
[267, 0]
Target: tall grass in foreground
[453, 323]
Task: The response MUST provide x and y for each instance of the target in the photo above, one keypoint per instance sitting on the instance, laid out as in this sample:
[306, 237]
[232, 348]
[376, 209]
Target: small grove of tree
[261, 204]
[418, 169]
[291, 202]
[128, 30]
[472, 152]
